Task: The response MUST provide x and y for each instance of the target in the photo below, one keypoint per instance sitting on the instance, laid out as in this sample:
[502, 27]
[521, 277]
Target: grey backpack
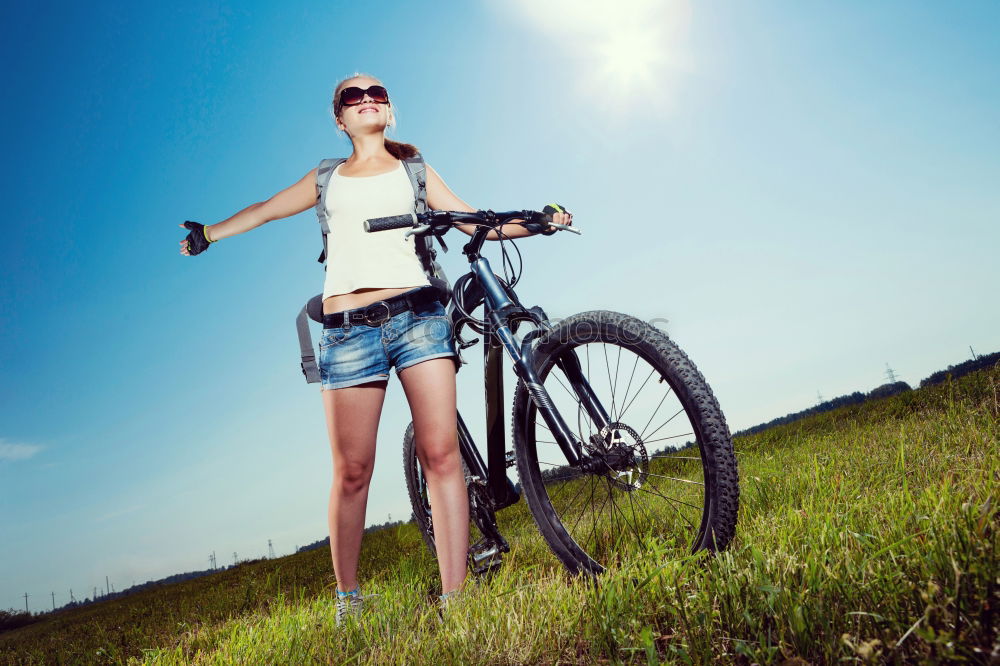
[313, 309]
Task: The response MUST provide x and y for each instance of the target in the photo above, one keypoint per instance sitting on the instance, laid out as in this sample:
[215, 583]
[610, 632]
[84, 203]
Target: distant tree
[325, 541]
[886, 390]
[11, 619]
[840, 401]
[956, 371]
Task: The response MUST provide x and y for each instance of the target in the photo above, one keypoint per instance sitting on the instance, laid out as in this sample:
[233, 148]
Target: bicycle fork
[521, 354]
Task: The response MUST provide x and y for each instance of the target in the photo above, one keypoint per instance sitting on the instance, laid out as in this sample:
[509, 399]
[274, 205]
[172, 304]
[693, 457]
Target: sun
[629, 59]
[620, 48]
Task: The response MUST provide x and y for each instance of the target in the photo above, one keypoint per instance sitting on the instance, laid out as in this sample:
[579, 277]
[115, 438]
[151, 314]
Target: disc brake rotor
[622, 455]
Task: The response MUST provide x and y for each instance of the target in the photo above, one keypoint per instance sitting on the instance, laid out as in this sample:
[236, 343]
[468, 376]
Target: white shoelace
[351, 603]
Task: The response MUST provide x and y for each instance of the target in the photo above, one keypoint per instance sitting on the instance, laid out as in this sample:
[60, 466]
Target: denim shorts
[359, 353]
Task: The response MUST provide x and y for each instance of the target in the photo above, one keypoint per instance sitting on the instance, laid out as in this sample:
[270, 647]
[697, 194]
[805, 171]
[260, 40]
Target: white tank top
[356, 258]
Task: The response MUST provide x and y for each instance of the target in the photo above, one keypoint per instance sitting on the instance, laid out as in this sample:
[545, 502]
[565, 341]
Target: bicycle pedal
[483, 544]
[488, 569]
[484, 557]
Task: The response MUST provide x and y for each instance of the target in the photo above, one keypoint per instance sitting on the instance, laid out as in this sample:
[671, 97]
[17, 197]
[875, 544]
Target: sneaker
[350, 604]
[445, 602]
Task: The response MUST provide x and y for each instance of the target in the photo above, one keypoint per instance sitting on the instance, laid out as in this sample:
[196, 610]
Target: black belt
[377, 312]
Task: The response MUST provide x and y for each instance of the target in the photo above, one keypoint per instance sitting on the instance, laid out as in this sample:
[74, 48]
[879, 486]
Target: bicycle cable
[508, 280]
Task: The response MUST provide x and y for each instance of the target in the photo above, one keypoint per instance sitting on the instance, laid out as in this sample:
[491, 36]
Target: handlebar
[391, 222]
[439, 221]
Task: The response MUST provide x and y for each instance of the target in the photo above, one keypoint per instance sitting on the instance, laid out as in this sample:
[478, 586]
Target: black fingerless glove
[197, 241]
[549, 210]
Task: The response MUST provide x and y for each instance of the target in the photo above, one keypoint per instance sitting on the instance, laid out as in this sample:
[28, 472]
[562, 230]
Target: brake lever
[548, 228]
[567, 227]
[419, 229]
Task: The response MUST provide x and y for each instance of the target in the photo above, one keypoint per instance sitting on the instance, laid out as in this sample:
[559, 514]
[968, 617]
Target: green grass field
[868, 533]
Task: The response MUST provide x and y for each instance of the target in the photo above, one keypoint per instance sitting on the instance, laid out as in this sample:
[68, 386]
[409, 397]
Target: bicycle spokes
[641, 476]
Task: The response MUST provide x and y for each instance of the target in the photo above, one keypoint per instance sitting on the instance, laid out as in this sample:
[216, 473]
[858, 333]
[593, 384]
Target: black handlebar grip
[391, 222]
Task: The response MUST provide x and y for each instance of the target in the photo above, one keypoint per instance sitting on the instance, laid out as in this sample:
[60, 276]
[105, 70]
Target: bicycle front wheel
[662, 468]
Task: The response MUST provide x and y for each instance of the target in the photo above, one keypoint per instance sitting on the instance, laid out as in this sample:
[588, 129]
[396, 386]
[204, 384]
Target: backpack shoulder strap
[417, 171]
[323, 174]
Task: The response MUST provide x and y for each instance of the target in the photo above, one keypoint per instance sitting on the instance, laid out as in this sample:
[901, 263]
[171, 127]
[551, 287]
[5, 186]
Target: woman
[355, 357]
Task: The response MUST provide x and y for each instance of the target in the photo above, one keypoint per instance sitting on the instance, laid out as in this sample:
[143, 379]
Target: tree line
[883, 391]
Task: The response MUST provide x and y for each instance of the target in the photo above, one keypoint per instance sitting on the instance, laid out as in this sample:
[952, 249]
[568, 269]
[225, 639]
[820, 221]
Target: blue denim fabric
[356, 354]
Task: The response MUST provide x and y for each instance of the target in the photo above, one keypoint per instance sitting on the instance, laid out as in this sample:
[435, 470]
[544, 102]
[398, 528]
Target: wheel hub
[618, 453]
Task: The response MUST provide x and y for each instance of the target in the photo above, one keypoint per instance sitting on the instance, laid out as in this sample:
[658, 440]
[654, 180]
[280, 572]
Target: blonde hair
[397, 149]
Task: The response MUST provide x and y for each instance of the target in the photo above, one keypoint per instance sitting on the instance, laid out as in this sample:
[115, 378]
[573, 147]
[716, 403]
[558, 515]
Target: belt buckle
[370, 320]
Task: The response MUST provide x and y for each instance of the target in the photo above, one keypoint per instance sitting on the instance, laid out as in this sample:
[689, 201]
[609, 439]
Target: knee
[440, 456]
[352, 477]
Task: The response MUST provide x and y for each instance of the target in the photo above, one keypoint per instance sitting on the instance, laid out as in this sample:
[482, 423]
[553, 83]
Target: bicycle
[605, 456]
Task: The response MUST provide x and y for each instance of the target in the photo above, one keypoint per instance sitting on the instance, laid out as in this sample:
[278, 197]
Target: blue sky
[805, 191]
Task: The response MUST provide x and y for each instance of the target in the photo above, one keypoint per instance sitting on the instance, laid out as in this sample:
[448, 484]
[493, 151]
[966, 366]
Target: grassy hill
[865, 533]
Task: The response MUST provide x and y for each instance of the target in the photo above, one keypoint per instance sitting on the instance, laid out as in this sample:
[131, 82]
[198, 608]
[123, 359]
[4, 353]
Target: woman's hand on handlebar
[559, 216]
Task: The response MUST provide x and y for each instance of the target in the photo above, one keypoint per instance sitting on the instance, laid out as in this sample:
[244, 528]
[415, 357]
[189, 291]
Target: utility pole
[26, 603]
[889, 374]
[71, 599]
[235, 559]
[107, 586]
[270, 550]
[974, 357]
[53, 601]
[95, 593]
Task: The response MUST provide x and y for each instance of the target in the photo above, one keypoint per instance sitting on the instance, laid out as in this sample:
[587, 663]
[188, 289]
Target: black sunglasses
[353, 96]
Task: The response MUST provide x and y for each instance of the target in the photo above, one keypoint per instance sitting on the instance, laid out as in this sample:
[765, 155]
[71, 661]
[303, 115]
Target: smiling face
[364, 118]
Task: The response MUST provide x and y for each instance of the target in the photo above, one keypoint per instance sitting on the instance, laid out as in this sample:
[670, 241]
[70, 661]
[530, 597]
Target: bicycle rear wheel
[662, 469]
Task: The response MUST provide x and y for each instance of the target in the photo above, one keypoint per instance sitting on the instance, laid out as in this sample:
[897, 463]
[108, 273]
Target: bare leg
[430, 390]
[352, 416]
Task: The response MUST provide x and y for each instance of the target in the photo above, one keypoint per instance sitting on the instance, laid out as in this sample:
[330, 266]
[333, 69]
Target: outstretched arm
[289, 201]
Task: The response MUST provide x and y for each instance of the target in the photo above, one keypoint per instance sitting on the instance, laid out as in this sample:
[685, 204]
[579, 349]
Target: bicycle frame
[500, 312]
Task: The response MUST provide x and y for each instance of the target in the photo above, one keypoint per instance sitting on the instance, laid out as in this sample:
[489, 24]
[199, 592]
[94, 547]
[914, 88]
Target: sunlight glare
[631, 47]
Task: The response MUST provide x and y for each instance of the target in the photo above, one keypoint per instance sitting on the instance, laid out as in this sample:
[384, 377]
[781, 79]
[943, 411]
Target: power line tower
[819, 398]
[26, 603]
[53, 601]
[889, 374]
[235, 559]
[107, 586]
[270, 550]
[71, 599]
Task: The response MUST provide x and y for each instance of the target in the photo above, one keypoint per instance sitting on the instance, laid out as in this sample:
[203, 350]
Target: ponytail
[400, 151]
